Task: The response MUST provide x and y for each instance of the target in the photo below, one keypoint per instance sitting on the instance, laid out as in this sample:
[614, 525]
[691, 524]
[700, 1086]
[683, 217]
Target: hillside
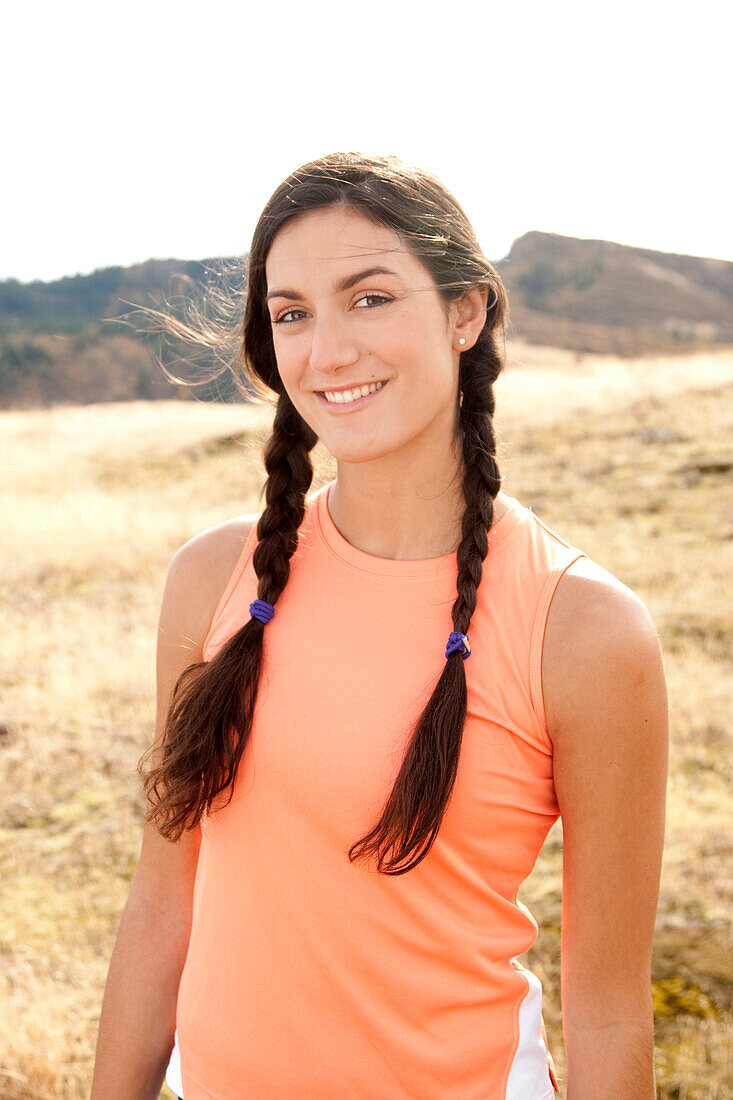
[69, 341]
[77, 340]
[598, 296]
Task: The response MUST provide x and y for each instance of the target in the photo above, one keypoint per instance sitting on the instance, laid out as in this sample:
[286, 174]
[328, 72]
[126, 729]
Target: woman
[374, 701]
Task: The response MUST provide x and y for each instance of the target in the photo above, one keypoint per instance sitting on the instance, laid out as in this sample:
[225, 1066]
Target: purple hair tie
[456, 642]
[262, 610]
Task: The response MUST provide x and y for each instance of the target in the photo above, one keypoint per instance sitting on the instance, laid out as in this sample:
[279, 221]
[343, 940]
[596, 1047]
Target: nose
[331, 347]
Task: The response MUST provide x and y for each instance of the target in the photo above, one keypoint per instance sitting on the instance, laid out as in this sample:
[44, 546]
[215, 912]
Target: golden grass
[629, 460]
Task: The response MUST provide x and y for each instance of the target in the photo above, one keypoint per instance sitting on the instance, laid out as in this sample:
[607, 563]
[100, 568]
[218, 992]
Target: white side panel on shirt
[529, 1075]
[173, 1073]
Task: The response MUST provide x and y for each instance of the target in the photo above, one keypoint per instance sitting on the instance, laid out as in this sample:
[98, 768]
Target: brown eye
[379, 298]
[280, 320]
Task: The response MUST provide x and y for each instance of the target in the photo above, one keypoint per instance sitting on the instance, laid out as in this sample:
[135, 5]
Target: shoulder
[199, 572]
[218, 548]
[600, 644]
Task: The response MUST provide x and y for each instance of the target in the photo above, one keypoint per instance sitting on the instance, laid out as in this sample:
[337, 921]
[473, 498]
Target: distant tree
[537, 283]
[24, 366]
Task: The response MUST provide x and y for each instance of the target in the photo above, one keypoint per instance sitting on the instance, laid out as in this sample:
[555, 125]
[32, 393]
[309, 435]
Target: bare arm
[137, 1022]
[607, 715]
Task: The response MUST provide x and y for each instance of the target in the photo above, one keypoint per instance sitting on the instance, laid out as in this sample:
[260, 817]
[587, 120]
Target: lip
[352, 385]
[352, 406]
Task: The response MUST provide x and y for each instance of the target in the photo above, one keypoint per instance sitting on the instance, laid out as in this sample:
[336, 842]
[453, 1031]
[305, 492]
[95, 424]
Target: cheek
[419, 351]
[418, 334]
[405, 344]
[291, 372]
[282, 347]
[290, 359]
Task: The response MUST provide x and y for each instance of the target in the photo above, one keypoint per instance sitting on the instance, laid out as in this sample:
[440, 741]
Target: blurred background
[588, 148]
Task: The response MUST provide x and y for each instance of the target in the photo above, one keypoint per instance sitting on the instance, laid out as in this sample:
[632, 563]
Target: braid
[481, 483]
[289, 476]
[212, 705]
[416, 805]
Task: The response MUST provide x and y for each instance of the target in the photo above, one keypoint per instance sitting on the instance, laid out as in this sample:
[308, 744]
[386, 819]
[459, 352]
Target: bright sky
[160, 129]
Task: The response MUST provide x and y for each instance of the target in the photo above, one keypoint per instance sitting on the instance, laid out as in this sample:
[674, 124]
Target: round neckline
[403, 567]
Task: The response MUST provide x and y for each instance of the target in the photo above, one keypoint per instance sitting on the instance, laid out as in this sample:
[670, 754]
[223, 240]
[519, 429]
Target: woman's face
[335, 327]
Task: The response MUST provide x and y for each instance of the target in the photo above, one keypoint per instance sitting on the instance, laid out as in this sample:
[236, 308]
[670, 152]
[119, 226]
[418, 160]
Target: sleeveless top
[311, 976]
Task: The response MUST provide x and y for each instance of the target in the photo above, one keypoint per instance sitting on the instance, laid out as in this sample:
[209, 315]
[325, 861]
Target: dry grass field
[630, 460]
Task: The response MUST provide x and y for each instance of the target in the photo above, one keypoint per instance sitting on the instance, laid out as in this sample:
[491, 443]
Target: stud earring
[462, 340]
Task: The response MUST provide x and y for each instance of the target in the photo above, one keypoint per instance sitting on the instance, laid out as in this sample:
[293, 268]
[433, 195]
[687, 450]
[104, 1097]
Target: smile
[346, 400]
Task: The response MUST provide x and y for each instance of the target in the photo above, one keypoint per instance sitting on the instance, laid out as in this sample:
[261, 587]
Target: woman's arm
[607, 715]
[138, 1015]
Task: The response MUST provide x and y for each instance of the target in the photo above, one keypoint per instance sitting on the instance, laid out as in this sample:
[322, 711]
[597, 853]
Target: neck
[414, 516]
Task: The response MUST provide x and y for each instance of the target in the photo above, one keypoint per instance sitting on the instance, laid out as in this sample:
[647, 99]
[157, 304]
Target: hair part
[210, 715]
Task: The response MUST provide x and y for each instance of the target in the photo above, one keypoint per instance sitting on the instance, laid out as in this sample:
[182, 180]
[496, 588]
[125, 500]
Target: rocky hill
[605, 297]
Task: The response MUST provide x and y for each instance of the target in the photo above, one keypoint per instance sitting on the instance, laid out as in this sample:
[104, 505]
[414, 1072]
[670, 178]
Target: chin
[356, 452]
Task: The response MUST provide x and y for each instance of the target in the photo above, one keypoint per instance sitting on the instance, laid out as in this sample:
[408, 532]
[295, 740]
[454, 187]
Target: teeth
[342, 397]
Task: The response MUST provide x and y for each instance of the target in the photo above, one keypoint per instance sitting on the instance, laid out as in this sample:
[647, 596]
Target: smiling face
[335, 327]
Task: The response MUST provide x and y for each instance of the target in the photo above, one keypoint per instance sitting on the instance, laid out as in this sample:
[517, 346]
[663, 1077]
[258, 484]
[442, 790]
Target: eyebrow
[345, 283]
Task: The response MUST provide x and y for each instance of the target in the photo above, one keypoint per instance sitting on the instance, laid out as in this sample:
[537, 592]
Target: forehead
[324, 243]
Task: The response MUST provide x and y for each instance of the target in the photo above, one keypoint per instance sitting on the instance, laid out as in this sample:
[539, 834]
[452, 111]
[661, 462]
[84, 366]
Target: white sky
[160, 129]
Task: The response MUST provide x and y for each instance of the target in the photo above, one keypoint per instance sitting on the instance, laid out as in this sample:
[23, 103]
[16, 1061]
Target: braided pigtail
[425, 781]
[211, 700]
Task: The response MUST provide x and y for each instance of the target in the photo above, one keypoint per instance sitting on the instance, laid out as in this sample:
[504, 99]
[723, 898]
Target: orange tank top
[309, 976]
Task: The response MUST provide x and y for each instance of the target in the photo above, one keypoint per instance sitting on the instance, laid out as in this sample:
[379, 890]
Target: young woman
[374, 701]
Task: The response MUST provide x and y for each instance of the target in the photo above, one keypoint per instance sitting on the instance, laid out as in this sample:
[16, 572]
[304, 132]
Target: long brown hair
[211, 709]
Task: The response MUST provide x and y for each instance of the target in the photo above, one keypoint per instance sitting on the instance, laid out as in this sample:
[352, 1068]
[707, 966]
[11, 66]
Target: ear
[469, 316]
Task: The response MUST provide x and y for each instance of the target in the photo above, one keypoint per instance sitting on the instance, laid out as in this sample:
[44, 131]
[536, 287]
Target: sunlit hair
[212, 705]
